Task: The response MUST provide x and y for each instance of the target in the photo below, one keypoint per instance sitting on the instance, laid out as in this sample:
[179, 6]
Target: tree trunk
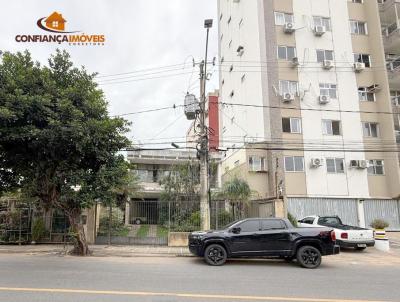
[81, 247]
[109, 224]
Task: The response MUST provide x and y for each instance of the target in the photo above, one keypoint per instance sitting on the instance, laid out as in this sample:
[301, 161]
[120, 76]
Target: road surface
[50, 278]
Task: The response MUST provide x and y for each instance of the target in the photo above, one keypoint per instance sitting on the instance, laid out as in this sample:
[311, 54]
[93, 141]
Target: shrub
[379, 224]
[38, 230]
[292, 219]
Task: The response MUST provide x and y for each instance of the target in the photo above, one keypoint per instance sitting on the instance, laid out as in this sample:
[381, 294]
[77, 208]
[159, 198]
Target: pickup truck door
[274, 236]
[246, 241]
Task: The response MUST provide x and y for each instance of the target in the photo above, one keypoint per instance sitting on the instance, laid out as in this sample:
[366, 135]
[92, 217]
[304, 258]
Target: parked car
[347, 236]
[269, 237]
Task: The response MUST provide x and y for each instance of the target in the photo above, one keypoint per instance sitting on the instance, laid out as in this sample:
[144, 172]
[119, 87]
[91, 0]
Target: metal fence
[388, 210]
[149, 222]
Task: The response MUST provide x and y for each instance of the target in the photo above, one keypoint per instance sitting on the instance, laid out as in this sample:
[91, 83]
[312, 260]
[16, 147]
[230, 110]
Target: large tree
[55, 132]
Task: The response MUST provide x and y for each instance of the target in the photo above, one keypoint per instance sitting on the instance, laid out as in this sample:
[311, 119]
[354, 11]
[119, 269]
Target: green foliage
[181, 183]
[292, 219]
[379, 224]
[225, 218]
[118, 227]
[38, 229]
[236, 190]
[143, 231]
[162, 231]
[55, 132]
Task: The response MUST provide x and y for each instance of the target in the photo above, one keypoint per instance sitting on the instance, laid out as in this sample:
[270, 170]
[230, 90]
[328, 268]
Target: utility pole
[203, 152]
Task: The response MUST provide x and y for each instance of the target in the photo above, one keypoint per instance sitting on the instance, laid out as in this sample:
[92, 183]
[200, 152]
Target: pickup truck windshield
[329, 221]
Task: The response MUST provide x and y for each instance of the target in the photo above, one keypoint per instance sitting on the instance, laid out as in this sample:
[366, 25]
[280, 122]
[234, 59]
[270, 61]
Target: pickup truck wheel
[309, 256]
[215, 254]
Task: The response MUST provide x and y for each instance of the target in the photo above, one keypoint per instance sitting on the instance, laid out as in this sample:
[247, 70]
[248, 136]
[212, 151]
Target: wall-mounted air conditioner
[319, 30]
[295, 62]
[287, 97]
[328, 64]
[317, 162]
[359, 164]
[324, 99]
[358, 66]
[288, 28]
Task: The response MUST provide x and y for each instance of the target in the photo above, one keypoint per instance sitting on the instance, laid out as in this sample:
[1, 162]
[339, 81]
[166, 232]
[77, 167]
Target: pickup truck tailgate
[360, 235]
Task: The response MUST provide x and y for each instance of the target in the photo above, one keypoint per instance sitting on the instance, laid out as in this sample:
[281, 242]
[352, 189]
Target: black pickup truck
[264, 237]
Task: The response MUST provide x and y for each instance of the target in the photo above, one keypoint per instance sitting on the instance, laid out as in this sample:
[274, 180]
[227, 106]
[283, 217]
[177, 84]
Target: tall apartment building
[308, 103]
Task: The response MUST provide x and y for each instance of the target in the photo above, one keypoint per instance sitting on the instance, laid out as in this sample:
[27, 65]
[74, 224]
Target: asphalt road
[54, 278]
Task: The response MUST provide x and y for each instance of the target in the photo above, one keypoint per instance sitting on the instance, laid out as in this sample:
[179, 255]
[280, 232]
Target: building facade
[308, 92]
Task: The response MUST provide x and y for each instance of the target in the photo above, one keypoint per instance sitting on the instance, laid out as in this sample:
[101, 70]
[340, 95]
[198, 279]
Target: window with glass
[331, 127]
[256, 163]
[328, 89]
[376, 167]
[364, 95]
[322, 21]
[272, 224]
[370, 129]
[323, 55]
[335, 165]
[249, 226]
[291, 125]
[358, 27]
[283, 18]
[286, 52]
[395, 96]
[288, 87]
[294, 163]
[362, 58]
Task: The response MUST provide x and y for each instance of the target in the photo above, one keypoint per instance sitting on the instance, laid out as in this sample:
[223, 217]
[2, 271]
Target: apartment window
[286, 52]
[331, 127]
[358, 27]
[283, 18]
[288, 87]
[363, 58]
[291, 125]
[376, 167]
[364, 95]
[370, 129]
[323, 55]
[335, 165]
[322, 21]
[256, 163]
[294, 164]
[328, 89]
[395, 96]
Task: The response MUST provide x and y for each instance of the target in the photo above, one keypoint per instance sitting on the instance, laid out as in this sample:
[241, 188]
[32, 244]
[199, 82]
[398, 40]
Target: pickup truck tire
[308, 257]
[215, 255]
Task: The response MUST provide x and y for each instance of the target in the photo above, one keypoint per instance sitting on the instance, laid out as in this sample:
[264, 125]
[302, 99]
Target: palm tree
[237, 191]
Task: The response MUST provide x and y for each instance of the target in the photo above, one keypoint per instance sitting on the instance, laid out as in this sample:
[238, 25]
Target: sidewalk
[99, 250]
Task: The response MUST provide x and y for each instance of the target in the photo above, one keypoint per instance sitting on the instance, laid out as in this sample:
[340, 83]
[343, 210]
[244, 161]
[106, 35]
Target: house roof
[55, 17]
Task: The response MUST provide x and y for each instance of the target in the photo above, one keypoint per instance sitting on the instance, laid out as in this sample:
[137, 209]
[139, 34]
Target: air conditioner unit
[328, 64]
[288, 28]
[319, 30]
[324, 99]
[358, 66]
[317, 162]
[287, 97]
[359, 163]
[240, 51]
[295, 62]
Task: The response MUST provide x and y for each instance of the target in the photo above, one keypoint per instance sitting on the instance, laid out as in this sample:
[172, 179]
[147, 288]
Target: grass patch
[162, 232]
[143, 231]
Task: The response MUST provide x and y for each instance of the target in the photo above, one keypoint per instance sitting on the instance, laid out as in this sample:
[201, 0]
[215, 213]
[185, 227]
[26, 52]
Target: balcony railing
[393, 65]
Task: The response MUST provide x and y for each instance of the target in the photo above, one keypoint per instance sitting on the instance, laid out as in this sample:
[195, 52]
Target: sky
[141, 35]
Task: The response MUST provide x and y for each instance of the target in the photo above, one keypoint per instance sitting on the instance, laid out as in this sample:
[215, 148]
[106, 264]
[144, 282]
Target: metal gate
[388, 210]
[346, 209]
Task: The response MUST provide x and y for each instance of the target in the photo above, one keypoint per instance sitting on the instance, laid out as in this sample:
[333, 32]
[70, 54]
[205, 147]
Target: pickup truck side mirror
[236, 230]
[299, 221]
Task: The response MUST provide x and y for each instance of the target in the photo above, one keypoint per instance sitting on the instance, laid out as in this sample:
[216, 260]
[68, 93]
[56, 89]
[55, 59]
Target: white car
[346, 236]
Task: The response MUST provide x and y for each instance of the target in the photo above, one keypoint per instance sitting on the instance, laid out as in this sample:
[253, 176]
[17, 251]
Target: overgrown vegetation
[379, 224]
[38, 230]
[292, 219]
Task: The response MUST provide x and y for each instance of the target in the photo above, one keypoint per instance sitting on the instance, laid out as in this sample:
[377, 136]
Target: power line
[149, 110]
[144, 79]
[139, 70]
